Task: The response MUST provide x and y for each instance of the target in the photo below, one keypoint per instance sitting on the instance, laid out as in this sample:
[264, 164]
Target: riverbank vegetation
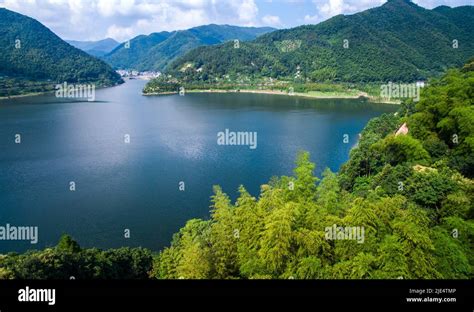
[168, 85]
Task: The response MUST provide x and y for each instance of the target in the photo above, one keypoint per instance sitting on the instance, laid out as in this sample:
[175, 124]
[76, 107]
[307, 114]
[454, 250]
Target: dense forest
[157, 50]
[411, 191]
[398, 41]
[33, 59]
[68, 260]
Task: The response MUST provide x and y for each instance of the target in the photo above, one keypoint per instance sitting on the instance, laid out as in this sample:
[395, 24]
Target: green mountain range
[398, 41]
[95, 48]
[157, 50]
[33, 58]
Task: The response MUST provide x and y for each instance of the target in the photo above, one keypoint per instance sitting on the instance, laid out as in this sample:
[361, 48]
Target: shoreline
[16, 96]
[361, 95]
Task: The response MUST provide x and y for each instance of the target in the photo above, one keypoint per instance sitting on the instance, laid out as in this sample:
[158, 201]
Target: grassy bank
[326, 90]
[352, 94]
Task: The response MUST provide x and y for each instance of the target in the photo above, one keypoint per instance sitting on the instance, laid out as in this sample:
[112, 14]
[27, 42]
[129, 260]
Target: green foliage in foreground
[412, 194]
[68, 260]
[282, 233]
[407, 192]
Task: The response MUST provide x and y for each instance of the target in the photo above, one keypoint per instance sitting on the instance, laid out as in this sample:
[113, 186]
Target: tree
[392, 262]
[305, 184]
[402, 149]
[276, 239]
[222, 239]
[452, 261]
[67, 244]
[328, 192]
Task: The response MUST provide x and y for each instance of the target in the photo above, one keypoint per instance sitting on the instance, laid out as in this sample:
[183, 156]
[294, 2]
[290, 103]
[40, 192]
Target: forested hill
[30, 51]
[156, 51]
[398, 41]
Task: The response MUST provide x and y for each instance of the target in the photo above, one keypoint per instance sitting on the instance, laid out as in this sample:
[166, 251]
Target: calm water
[135, 186]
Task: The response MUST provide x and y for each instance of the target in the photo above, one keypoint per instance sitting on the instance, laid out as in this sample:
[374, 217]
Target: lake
[173, 139]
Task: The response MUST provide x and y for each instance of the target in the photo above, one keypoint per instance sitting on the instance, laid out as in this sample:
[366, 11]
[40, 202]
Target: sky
[125, 19]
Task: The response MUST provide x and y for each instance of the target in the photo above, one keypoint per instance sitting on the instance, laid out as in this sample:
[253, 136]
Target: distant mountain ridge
[157, 50]
[31, 52]
[95, 48]
[398, 41]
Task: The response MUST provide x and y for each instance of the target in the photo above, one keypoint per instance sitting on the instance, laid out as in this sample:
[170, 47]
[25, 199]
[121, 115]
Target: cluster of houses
[135, 74]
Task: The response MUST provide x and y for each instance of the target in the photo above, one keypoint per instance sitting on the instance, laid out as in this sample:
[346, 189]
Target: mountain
[95, 48]
[129, 54]
[398, 41]
[156, 51]
[32, 54]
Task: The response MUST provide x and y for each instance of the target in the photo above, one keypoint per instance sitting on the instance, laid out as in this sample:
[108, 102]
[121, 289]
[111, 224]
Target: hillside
[157, 50]
[398, 41]
[32, 58]
[95, 48]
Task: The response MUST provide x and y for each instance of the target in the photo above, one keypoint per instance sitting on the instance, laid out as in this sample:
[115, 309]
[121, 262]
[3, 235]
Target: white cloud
[329, 8]
[123, 19]
[325, 9]
[121, 33]
[271, 20]
[311, 19]
[332, 7]
[247, 11]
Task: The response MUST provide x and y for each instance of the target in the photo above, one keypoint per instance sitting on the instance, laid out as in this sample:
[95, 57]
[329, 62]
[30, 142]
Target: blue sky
[125, 19]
